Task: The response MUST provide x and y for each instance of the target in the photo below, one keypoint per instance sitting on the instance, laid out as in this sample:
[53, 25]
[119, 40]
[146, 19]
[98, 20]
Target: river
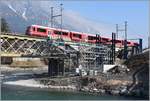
[15, 92]
[10, 92]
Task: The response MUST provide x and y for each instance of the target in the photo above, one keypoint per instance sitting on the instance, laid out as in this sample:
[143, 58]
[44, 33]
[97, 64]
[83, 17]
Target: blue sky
[116, 12]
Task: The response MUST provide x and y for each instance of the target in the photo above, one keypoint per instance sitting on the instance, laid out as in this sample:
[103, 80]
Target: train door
[49, 34]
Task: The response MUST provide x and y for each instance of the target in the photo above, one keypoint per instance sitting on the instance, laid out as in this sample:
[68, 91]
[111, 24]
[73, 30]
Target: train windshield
[33, 28]
[28, 29]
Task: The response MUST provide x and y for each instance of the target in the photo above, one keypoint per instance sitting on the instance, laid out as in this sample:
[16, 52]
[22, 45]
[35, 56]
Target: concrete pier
[55, 67]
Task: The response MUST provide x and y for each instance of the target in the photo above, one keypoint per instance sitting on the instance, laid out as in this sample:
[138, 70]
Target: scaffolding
[94, 57]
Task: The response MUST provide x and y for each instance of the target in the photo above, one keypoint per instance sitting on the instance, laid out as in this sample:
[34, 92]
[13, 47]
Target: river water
[14, 92]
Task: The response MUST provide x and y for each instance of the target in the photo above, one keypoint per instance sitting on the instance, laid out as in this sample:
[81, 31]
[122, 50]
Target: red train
[41, 31]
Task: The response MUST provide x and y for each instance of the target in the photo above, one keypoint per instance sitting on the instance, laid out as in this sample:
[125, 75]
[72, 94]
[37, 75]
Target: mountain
[20, 14]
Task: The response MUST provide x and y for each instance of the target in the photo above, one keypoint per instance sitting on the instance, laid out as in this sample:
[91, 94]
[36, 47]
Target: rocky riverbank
[92, 85]
[88, 84]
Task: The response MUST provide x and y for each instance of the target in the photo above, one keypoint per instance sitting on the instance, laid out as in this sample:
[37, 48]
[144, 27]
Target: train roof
[61, 30]
[76, 32]
[49, 28]
[42, 26]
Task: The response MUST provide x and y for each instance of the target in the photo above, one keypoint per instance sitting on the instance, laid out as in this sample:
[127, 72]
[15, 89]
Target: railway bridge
[87, 55]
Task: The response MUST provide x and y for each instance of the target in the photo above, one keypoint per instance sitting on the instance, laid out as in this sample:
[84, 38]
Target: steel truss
[28, 47]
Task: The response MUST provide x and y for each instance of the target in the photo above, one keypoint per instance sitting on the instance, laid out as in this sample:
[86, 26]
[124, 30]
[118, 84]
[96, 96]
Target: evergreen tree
[4, 26]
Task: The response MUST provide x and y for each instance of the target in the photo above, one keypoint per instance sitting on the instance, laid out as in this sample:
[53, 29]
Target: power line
[135, 32]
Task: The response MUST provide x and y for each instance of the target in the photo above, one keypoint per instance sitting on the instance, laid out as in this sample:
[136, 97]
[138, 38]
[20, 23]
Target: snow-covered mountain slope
[20, 14]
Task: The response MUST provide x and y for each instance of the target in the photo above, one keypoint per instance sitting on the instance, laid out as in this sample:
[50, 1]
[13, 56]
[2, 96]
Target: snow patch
[23, 14]
[9, 5]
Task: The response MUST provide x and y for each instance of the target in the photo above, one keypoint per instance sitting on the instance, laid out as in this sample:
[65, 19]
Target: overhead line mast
[61, 16]
[54, 16]
[125, 37]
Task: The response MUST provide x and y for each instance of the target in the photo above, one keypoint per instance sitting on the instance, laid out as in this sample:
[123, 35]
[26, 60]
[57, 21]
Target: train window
[41, 30]
[57, 32]
[105, 39]
[91, 38]
[128, 42]
[61, 33]
[33, 28]
[65, 33]
[135, 43]
[118, 41]
[77, 35]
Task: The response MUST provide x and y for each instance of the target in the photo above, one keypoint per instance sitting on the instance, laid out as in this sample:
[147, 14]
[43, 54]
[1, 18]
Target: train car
[58, 33]
[36, 30]
[129, 43]
[41, 31]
